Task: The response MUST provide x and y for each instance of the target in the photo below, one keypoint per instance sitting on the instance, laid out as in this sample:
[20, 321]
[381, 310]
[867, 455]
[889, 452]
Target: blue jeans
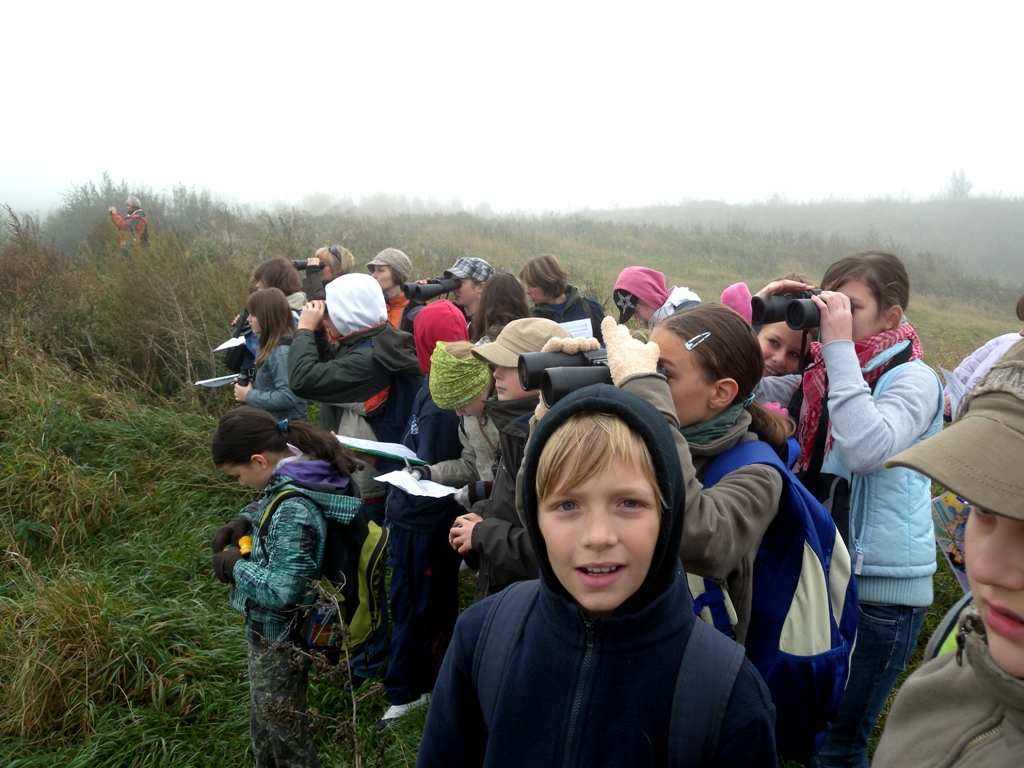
[886, 636]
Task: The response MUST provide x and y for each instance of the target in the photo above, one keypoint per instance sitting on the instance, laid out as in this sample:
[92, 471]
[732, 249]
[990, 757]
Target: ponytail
[770, 426]
[245, 431]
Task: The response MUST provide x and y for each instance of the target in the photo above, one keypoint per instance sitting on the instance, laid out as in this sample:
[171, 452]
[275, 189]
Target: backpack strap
[498, 639]
[792, 451]
[272, 508]
[707, 674]
[713, 598]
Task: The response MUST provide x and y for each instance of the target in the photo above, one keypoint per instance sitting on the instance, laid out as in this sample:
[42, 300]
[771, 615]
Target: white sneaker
[396, 711]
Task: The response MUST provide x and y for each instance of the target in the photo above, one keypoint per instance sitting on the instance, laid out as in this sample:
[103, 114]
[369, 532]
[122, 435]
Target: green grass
[117, 645]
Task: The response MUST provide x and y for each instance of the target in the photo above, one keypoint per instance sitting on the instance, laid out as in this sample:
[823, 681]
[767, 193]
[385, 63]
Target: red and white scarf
[815, 389]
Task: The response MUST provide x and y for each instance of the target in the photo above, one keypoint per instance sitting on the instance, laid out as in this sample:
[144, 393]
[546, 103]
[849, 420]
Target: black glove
[230, 533]
[224, 564]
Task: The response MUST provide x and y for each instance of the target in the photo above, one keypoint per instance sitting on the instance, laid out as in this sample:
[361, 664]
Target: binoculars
[796, 309]
[299, 264]
[430, 289]
[556, 374]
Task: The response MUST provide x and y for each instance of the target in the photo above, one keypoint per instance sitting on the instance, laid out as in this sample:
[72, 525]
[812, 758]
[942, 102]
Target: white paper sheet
[391, 450]
[235, 341]
[414, 487]
[580, 329]
[217, 382]
[955, 389]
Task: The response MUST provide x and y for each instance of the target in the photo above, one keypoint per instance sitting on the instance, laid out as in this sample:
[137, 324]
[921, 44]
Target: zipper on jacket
[981, 738]
[859, 566]
[577, 701]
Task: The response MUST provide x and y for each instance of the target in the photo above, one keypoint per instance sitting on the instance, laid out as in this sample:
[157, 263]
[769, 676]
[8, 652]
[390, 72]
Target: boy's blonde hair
[587, 444]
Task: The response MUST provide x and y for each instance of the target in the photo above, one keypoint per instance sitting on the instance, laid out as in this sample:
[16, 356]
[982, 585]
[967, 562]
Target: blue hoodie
[592, 691]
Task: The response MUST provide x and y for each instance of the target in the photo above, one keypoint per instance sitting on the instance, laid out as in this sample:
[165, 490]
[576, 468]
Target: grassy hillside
[117, 646]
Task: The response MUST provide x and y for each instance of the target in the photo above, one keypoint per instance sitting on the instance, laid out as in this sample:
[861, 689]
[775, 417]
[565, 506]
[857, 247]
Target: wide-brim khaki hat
[528, 334]
[981, 457]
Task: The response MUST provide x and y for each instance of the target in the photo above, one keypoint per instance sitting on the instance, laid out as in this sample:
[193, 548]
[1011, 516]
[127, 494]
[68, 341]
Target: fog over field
[525, 106]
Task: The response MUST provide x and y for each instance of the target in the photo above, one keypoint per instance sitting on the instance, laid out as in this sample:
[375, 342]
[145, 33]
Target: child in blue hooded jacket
[592, 678]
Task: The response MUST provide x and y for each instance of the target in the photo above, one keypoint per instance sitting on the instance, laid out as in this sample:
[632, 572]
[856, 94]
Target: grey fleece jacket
[723, 525]
[866, 431]
[964, 712]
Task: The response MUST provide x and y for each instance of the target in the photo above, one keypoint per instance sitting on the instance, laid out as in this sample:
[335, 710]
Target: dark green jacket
[350, 380]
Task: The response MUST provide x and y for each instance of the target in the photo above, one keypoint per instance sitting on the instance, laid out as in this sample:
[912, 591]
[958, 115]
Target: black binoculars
[556, 374]
[796, 309]
[430, 289]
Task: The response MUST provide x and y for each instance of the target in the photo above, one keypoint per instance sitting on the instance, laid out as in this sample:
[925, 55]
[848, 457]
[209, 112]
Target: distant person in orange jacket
[134, 221]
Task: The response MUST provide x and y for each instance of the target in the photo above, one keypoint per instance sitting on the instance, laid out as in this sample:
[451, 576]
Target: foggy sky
[528, 106]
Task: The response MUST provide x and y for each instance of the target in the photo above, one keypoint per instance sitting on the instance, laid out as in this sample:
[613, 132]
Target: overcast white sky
[526, 105]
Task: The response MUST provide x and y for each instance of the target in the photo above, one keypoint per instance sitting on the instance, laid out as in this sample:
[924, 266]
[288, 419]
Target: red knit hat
[438, 321]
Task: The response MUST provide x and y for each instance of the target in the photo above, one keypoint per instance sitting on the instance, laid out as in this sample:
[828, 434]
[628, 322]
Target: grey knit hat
[394, 258]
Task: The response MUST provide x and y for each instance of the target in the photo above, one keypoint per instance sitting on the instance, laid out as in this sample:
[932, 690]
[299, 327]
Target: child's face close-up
[601, 536]
[995, 569]
[254, 323]
[474, 408]
[780, 346]
[867, 319]
[691, 391]
[506, 384]
[256, 474]
[643, 312]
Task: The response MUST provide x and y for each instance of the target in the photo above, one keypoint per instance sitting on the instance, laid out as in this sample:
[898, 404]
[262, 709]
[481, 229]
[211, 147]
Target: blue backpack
[803, 619]
[707, 674]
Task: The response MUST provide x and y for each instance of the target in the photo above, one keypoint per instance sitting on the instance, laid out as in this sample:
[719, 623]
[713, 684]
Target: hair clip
[697, 340]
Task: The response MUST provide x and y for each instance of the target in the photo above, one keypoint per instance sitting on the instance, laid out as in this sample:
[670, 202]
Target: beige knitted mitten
[627, 356]
[571, 345]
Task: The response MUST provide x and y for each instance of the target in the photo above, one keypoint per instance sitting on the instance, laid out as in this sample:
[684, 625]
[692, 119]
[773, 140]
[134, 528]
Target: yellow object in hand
[245, 545]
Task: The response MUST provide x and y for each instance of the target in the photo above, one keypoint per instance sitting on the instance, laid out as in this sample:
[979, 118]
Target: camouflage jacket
[272, 585]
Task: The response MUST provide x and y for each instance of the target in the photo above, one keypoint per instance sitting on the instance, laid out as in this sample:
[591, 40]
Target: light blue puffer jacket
[891, 537]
